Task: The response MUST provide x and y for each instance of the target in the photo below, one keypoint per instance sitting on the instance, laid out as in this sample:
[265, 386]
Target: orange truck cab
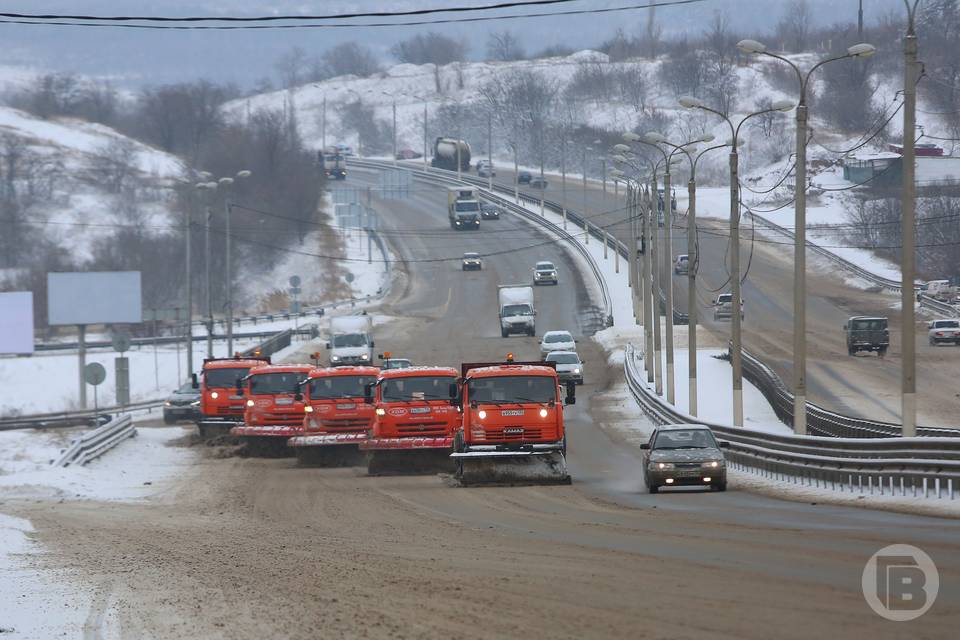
[412, 411]
[274, 402]
[335, 411]
[511, 410]
[221, 407]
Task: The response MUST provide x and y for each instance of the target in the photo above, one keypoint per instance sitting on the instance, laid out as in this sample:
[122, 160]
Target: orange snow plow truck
[512, 430]
[413, 422]
[221, 407]
[336, 417]
[274, 407]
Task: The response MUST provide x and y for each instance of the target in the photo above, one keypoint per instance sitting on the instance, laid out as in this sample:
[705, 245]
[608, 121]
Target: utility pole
[189, 287]
[229, 269]
[668, 289]
[323, 124]
[654, 225]
[908, 256]
[736, 358]
[692, 263]
[646, 288]
[394, 131]
[860, 22]
[490, 149]
[206, 243]
[425, 134]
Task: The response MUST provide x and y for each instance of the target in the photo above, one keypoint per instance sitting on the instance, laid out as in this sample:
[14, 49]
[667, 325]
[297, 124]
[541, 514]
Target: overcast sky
[134, 56]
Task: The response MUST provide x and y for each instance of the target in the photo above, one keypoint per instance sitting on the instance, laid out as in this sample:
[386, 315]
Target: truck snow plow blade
[213, 429]
[408, 455]
[328, 449]
[266, 442]
[511, 468]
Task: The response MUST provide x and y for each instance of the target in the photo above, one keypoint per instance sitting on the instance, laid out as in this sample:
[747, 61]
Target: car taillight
[939, 334]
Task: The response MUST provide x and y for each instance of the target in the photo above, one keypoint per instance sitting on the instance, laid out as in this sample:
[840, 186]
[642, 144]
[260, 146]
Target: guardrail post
[586, 231]
[606, 240]
[564, 213]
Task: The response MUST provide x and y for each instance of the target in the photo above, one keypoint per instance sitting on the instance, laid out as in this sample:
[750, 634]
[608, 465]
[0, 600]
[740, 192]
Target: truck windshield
[512, 389]
[467, 206]
[350, 340]
[869, 325]
[339, 387]
[273, 383]
[223, 378]
[517, 310]
[416, 388]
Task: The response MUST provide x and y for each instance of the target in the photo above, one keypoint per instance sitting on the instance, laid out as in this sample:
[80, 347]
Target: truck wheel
[531, 332]
[722, 486]
[882, 352]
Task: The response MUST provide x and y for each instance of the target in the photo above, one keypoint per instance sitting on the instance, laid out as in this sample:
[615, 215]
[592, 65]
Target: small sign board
[121, 341]
[94, 373]
[16, 320]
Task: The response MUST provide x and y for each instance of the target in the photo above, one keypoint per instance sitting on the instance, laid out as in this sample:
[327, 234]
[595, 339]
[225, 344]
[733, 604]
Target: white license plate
[420, 410]
[512, 412]
[349, 405]
[283, 401]
[513, 430]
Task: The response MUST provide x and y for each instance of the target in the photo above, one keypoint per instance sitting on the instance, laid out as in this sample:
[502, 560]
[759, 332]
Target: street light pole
[227, 210]
[206, 264]
[490, 150]
[908, 256]
[800, 223]
[394, 131]
[736, 355]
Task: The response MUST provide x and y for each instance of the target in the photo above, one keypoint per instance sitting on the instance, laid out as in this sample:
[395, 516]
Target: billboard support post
[82, 362]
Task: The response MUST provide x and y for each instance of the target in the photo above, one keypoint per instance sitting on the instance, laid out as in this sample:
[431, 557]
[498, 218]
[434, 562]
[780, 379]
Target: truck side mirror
[194, 382]
[239, 388]
[453, 392]
[372, 344]
[298, 397]
[368, 393]
[844, 327]
[571, 393]
[328, 345]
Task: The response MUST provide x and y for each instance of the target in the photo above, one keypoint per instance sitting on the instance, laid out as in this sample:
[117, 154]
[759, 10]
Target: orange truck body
[412, 409]
[274, 401]
[220, 405]
[511, 407]
[335, 411]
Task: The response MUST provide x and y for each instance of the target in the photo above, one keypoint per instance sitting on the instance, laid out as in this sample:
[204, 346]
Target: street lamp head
[783, 105]
[707, 137]
[619, 159]
[616, 173]
[621, 148]
[206, 175]
[751, 46]
[244, 174]
[598, 141]
[630, 136]
[652, 137]
[862, 50]
[225, 182]
[689, 102]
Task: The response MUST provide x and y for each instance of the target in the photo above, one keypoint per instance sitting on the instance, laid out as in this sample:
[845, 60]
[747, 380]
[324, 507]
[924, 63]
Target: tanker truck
[445, 152]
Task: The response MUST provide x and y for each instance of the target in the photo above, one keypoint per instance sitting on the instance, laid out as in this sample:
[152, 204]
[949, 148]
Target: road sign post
[94, 374]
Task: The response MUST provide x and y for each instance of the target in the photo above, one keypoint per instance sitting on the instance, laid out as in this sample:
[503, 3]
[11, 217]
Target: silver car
[684, 454]
[545, 272]
[569, 365]
[557, 341]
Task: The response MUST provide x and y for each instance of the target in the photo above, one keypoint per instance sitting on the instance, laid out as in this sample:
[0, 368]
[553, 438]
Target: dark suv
[866, 333]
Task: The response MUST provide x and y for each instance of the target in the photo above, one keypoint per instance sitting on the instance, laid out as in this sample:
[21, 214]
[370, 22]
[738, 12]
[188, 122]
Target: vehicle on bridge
[413, 421]
[538, 182]
[512, 430]
[517, 313]
[545, 272]
[723, 307]
[557, 341]
[448, 151]
[274, 407]
[472, 262]
[489, 211]
[684, 454]
[569, 365]
[351, 340]
[681, 266]
[463, 208]
[485, 169]
[524, 177]
[336, 418]
[333, 163]
[221, 407]
[944, 331]
[867, 334]
[387, 361]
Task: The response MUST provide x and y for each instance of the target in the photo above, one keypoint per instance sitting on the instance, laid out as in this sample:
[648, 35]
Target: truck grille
[346, 424]
[279, 418]
[527, 435]
[422, 429]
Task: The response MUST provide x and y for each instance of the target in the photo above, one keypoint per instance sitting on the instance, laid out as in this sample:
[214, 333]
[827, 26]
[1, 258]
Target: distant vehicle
[485, 169]
[408, 154]
[387, 361]
[463, 208]
[220, 406]
[723, 307]
[446, 152]
[545, 272]
[569, 365]
[472, 262]
[538, 182]
[333, 163]
[867, 334]
[182, 404]
[557, 341]
[944, 331]
[351, 340]
[684, 454]
[489, 211]
[344, 149]
[940, 289]
[524, 177]
[681, 265]
[517, 313]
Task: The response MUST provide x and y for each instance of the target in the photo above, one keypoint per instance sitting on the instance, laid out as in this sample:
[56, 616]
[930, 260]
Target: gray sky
[138, 56]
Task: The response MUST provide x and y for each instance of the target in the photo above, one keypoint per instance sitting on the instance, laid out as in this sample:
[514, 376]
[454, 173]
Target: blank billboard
[94, 297]
[16, 322]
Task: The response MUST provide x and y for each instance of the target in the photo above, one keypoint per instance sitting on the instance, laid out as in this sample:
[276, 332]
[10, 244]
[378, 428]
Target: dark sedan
[684, 454]
[182, 404]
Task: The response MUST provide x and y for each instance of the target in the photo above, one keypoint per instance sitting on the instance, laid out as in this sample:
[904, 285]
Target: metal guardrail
[450, 177]
[908, 466]
[96, 442]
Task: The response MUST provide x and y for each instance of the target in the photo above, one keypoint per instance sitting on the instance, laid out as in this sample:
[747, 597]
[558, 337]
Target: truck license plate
[513, 430]
[346, 405]
[420, 410]
[512, 412]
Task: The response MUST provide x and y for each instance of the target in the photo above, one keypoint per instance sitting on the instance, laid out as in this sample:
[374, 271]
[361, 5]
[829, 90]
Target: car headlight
[308, 409]
[712, 464]
[576, 371]
[249, 403]
[661, 466]
[214, 395]
[168, 404]
[335, 358]
[364, 356]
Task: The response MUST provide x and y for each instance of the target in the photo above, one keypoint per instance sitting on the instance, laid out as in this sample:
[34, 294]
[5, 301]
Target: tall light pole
[736, 355]
[490, 150]
[800, 223]
[424, 129]
[908, 255]
[225, 183]
[393, 99]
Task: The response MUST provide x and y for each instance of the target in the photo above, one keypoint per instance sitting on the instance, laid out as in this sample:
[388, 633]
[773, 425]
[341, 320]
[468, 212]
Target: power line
[121, 22]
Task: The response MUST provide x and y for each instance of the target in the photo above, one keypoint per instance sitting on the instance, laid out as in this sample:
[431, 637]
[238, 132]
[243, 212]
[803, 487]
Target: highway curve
[252, 548]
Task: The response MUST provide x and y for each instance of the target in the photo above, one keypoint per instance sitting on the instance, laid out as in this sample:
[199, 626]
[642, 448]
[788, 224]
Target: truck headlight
[482, 414]
[249, 403]
[214, 395]
[381, 412]
[364, 356]
[543, 413]
[168, 404]
[576, 371]
[308, 409]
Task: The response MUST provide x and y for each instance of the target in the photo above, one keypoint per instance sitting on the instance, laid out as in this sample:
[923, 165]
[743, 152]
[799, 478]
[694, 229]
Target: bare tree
[430, 48]
[795, 26]
[504, 46]
[292, 67]
[350, 58]
[116, 163]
